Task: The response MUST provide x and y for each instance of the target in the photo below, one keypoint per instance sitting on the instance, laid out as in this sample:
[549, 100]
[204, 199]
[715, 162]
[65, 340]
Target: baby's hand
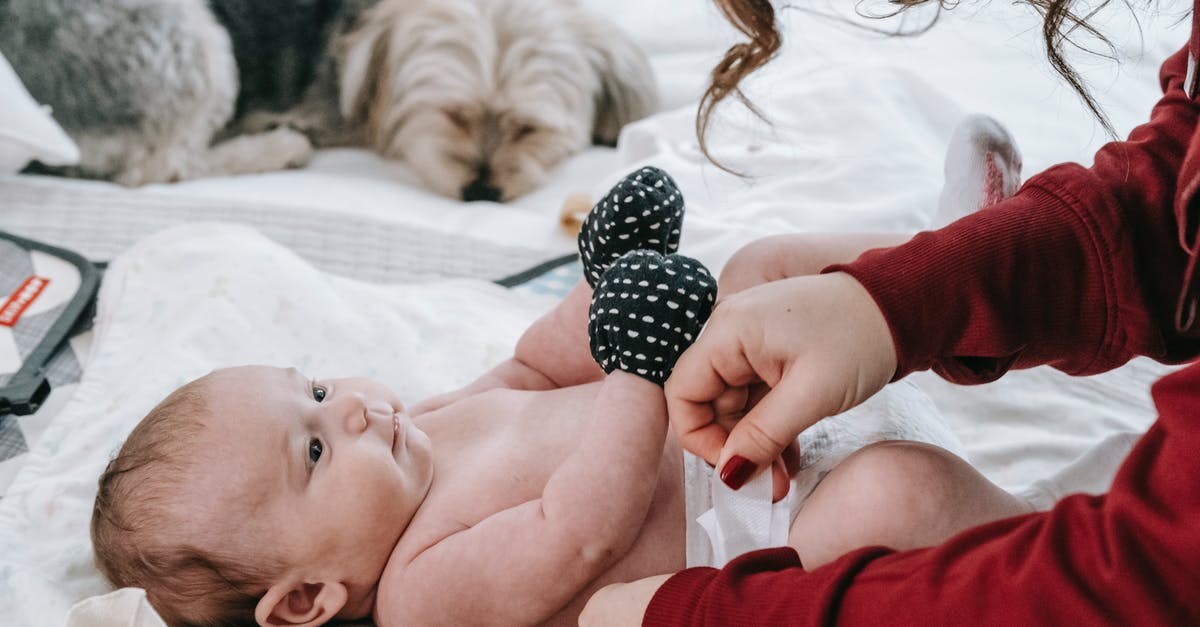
[646, 310]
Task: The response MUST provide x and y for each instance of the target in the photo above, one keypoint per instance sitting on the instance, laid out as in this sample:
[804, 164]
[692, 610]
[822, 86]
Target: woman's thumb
[759, 438]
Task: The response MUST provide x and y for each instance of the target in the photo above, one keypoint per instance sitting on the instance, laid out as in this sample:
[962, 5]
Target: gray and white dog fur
[483, 97]
[480, 97]
[145, 87]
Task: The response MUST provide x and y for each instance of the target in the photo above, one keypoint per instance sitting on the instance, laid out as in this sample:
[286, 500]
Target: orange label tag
[21, 299]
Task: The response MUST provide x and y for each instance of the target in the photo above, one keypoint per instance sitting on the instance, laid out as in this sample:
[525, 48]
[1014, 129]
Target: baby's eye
[318, 393]
[315, 448]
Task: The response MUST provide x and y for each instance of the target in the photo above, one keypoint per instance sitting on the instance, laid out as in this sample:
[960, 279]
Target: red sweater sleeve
[1131, 557]
[1081, 269]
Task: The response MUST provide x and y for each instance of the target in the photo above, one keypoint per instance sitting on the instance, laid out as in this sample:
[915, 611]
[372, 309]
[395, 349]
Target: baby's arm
[524, 564]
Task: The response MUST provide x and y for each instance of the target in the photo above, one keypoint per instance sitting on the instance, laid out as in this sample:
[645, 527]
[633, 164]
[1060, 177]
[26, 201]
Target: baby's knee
[899, 476]
[897, 494]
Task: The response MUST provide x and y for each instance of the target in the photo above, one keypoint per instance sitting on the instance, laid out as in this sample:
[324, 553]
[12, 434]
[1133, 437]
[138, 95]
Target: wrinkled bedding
[858, 128]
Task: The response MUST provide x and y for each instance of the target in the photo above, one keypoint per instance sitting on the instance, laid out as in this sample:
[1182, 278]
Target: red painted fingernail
[737, 472]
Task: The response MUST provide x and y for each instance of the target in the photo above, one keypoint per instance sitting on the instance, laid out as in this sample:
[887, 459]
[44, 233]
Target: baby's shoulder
[500, 406]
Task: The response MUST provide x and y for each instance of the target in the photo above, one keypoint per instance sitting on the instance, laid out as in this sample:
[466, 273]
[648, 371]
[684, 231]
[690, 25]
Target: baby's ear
[300, 604]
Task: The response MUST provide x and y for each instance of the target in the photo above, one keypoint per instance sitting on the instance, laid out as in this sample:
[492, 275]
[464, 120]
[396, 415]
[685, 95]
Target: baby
[254, 495]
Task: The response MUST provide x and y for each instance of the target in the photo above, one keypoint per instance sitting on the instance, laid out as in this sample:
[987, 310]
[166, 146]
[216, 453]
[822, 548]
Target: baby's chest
[507, 449]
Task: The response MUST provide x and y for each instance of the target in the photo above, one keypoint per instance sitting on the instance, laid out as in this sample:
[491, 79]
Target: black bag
[45, 292]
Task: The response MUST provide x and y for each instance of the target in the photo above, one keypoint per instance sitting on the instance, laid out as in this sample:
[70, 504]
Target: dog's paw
[646, 310]
[279, 149]
[288, 148]
[642, 212]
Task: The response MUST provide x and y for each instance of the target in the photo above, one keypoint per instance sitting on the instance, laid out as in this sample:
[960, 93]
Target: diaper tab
[745, 520]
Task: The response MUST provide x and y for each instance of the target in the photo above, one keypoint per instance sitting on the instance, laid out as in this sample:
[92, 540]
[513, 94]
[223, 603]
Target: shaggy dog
[480, 97]
[483, 97]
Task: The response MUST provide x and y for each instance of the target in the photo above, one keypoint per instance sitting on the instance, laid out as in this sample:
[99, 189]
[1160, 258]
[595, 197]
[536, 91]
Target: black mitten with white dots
[642, 212]
[646, 310]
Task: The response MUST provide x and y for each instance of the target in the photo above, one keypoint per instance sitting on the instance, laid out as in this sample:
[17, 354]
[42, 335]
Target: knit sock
[646, 310]
[642, 212]
[982, 168]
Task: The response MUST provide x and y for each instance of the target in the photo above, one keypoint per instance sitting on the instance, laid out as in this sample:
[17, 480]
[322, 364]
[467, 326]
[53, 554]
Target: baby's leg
[902, 495]
[642, 212]
[784, 256]
[982, 167]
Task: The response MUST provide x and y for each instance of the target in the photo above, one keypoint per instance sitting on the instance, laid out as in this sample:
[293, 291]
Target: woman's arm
[1081, 269]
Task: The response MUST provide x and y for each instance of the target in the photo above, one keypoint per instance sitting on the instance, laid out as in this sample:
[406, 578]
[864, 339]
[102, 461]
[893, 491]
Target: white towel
[126, 607]
[203, 296]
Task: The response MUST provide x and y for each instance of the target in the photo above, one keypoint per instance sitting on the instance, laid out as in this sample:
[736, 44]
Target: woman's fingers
[704, 384]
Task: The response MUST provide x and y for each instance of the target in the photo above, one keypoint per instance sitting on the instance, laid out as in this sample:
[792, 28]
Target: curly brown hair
[756, 20]
[143, 536]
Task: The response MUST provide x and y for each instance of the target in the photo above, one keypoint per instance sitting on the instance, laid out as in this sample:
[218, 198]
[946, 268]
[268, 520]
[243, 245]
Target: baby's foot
[646, 310]
[642, 212]
[983, 167]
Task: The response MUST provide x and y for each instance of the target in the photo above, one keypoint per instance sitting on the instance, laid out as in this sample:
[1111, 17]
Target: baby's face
[332, 470]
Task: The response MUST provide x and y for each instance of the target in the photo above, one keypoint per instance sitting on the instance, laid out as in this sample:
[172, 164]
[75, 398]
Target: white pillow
[27, 131]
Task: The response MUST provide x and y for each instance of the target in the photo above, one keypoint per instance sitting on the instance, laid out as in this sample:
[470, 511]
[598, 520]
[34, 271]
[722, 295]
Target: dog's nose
[479, 189]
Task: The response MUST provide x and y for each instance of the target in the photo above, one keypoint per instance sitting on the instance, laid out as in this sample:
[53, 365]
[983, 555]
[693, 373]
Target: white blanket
[860, 127]
[205, 296]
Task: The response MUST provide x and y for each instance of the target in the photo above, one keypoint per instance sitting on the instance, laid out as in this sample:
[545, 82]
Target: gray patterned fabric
[362, 248]
[17, 265]
[12, 440]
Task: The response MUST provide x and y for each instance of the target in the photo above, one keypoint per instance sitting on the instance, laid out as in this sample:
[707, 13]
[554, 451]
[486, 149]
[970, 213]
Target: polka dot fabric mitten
[642, 212]
[647, 308]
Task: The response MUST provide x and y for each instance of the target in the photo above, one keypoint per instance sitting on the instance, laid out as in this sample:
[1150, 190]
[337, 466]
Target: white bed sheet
[858, 128]
[860, 124]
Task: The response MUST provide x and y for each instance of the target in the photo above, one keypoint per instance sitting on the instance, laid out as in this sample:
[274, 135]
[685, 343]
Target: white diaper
[723, 524]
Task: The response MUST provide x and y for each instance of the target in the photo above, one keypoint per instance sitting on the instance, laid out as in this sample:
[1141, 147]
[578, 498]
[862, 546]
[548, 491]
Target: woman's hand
[621, 603]
[773, 360]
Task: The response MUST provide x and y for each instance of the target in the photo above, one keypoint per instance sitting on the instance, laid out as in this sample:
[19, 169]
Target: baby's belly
[537, 432]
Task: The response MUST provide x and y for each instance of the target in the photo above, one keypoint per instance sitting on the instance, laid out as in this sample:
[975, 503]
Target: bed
[859, 126]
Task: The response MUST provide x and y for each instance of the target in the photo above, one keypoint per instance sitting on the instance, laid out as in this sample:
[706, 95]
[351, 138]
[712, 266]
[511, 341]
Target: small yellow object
[574, 209]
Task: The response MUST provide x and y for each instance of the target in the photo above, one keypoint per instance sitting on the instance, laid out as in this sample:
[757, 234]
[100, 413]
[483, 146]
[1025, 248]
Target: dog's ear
[363, 65]
[628, 90]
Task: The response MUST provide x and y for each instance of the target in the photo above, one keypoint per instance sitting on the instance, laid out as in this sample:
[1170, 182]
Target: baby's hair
[141, 539]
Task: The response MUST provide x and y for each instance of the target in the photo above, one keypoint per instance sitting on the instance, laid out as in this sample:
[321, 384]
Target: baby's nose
[352, 412]
[376, 416]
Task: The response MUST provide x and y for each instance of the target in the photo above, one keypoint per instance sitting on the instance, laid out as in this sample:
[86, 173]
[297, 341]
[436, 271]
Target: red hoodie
[1083, 269]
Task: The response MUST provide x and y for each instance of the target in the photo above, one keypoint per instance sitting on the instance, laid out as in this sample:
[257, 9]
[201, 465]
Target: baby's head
[254, 494]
